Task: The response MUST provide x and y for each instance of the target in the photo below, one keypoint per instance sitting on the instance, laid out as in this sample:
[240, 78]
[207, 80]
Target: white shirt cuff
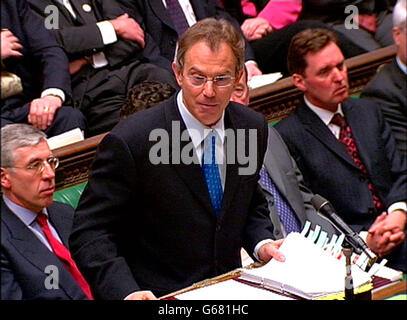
[258, 246]
[251, 62]
[54, 92]
[397, 206]
[107, 31]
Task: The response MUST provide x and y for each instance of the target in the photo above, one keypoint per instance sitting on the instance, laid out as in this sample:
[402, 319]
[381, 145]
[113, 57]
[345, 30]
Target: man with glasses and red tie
[35, 261]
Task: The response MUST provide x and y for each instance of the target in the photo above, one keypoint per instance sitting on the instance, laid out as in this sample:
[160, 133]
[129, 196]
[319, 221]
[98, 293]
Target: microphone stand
[347, 251]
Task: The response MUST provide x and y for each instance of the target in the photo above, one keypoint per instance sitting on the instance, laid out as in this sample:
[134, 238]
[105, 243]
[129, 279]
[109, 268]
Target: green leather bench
[70, 195]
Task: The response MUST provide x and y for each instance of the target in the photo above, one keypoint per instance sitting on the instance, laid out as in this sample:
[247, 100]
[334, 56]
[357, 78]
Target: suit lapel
[35, 251]
[281, 181]
[160, 11]
[233, 177]
[362, 140]
[191, 174]
[62, 225]
[276, 175]
[321, 132]
[85, 11]
[42, 4]
[200, 9]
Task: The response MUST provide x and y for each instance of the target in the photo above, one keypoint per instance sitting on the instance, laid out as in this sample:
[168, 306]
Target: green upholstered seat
[70, 195]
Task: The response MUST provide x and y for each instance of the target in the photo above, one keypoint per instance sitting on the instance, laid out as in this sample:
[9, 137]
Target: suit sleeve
[45, 49]
[259, 226]
[281, 13]
[95, 236]
[10, 289]
[86, 40]
[397, 161]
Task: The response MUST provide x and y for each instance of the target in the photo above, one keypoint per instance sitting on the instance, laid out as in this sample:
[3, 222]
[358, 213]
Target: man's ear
[396, 35]
[5, 181]
[177, 73]
[299, 82]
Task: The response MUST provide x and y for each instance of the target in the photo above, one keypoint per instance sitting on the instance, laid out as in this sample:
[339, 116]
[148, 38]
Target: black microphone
[326, 210]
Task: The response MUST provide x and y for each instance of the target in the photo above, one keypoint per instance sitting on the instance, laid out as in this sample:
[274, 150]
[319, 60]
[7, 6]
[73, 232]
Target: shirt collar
[198, 131]
[401, 65]
[25, 215]
[325, 115]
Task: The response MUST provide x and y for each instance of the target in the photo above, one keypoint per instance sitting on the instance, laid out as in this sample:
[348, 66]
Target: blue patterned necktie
[177, 15]
[211, 172]
[285, 213]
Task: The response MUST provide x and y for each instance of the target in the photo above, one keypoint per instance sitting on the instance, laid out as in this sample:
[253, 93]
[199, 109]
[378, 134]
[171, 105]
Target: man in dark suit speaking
[144, 227]
[344, 148]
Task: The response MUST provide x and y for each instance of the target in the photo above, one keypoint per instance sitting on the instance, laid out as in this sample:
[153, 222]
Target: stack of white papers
[264, 79]
[65, 138]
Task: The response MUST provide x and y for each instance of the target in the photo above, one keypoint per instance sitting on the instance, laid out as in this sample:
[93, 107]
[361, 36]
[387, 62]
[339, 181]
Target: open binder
[309, 271]
[314, 269]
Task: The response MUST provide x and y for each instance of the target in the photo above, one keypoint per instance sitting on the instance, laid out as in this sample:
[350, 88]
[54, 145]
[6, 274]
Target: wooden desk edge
[389, 290]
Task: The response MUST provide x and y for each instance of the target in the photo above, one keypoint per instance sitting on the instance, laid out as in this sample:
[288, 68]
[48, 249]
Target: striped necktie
[285, 213]
[177, 16]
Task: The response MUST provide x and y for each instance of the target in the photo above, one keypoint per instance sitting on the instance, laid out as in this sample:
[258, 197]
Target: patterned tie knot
[339, 120]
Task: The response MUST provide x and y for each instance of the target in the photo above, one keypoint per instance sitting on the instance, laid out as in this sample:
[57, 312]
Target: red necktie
[345, 137]
[63, 254]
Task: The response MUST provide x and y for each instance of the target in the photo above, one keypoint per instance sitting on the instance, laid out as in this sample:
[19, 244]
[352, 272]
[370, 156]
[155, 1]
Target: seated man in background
[35, 78]
[344, 148]
[369, 26]
[167, 20]
[108, 52]
[389, 87]
[35, 262]
[270, 26]
[289, 200]
[144, 95]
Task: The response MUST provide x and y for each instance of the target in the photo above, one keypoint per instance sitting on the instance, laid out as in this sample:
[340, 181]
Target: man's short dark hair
[144, 95]
[304, 42]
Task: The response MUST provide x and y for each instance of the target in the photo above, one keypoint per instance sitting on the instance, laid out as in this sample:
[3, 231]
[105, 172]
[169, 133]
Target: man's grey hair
[14, 136]
[399, 14]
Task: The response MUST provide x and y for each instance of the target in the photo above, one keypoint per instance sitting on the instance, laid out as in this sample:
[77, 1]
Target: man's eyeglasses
[38, 166]
[219, 81]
